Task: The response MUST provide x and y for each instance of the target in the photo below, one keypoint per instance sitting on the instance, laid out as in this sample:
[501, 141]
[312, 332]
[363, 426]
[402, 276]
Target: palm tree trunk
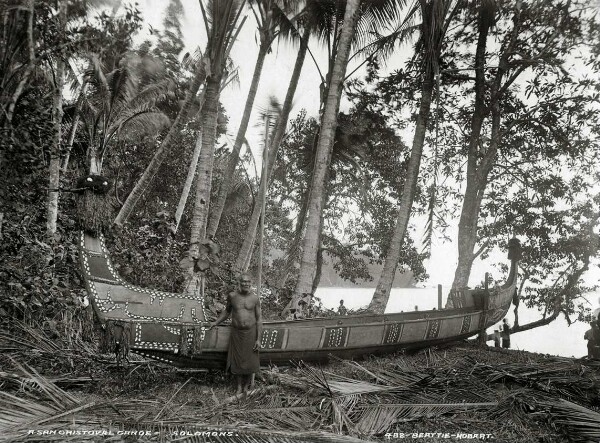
[310, 244]
[206, 159]
[94, 161]
[246, 248]
[65, 161]
[161, 153]
[292, 253]
[57, 114]
[239, 140]
[189, 180]
[386, 279]
[10, 109]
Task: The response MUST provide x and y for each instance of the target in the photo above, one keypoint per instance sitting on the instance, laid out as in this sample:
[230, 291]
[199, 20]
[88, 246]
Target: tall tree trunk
[386, 279]
[161, 153]
[189, 180]
[94, 161]
[65, 161]
[10, 109]
[310, 244]
[467, 227]
[234, 157]
[205, 163]
[57, 114]
[292, 253]
[246, 248]
[480, 159]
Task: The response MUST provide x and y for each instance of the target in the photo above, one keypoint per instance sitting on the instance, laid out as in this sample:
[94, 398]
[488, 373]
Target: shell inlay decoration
[466, 324]
[433, 329]
[103, 302]
[393, 333]
[272, 338]
[335, 337]
[102, 271]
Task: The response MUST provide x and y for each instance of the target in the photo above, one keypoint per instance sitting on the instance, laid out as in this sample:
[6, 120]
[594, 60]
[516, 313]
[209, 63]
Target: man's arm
[259, 325]
[224, 315]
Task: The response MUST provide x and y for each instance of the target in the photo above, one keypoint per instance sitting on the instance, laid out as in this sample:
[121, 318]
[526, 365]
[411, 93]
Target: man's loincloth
[241, 358]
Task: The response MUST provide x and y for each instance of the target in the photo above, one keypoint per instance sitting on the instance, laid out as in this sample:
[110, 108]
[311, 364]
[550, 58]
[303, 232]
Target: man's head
[244, 283]
[341, 302]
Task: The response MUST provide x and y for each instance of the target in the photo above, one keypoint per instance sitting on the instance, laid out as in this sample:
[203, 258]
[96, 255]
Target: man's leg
[239, 384]
[247, 379]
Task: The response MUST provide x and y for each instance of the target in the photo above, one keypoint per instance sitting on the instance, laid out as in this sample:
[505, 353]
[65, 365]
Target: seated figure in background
[297, 308]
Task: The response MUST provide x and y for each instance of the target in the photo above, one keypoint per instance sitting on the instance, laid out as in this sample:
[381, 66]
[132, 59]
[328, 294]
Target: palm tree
[221, 21]
[336, 76]
[436, 15]
[333, 27]
[57, 115]
[161, 153]
[115, 107]
[245, 250]
[272, 22]
[193, 166]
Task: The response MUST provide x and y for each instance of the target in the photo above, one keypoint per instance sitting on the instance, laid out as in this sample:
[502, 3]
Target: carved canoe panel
[273, 338]
[433, 329]
[335, 337]
[466, 324]
[393, 333]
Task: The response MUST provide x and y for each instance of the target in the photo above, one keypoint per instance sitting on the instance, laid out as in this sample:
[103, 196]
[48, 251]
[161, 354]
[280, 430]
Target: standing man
[246, 329]
[496, 338]
[505, 334]
[591, 345]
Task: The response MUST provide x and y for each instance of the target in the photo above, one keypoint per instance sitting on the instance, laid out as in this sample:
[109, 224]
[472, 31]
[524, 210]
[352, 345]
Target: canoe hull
[173, 328]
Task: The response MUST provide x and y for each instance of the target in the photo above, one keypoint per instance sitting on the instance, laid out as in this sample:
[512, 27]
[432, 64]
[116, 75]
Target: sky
[274, 82]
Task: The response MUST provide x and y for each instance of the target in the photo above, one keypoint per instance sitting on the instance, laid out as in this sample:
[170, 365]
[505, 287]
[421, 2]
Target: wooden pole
[440, 297]
[482, 333]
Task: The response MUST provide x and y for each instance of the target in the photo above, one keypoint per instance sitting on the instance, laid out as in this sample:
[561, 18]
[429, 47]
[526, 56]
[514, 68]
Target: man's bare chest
[243, 303]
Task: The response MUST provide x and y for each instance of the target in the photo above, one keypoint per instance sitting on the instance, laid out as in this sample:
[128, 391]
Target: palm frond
[154, 93]
[375, 15]
[385, 44]
[389, 376]
[582, 423]
[95, 77]
[41, 401]
[378, 419]
[122, 86]
[190, 61]
[140, 123]
[287, 29]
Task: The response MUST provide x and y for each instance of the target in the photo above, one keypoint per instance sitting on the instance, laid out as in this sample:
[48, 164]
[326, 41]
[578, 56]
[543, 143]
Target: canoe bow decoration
[172, 327]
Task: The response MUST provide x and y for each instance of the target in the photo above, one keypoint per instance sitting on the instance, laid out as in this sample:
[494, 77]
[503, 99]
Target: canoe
[172, 327]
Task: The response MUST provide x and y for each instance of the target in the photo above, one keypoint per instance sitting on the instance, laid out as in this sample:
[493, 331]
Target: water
[557, 338]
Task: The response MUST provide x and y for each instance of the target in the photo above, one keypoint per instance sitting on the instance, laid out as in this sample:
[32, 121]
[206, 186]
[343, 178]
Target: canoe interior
[172, 327]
